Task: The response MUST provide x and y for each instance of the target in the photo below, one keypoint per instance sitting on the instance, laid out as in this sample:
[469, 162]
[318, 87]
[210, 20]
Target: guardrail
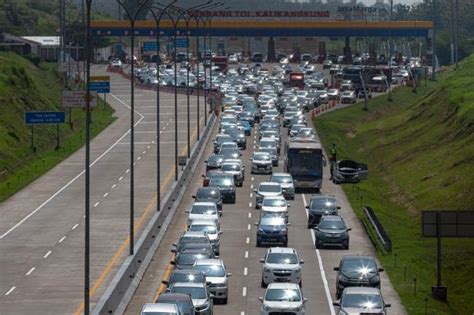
[120, 291]
[378, 228]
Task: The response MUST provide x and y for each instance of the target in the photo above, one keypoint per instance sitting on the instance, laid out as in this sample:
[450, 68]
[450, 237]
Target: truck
[296, 80]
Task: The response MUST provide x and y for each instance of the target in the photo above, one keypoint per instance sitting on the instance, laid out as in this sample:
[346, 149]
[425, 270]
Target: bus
[305, 161]
[222, 62]
[296, 80]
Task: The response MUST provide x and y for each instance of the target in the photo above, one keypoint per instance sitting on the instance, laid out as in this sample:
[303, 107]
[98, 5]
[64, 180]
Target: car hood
[216, 280]
[199, 302]
[268, 194]
[283, 266]
[332, 231]
[286, 185]
[203, 217]
[357, 311]
[322, 211]
[354, 274]
[261, 161]
[275, 209]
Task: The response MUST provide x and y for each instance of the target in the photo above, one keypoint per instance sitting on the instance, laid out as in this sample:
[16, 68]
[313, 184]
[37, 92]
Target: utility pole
[451, 37]
[456, 36]
[390, 49]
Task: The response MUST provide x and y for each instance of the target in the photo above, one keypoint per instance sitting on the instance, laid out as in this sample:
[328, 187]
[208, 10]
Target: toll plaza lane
[42, 231]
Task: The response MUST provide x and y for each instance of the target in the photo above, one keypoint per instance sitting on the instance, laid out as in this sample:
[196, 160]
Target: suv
[261, 163]
[226, 185]
[186, 275]
[272, 230]
[283, 298]
[214, 161]
[281, 265]
[332, 231]
[266, 189]
[203, 211]
[359, 300]
[190, 237]
[235, 170]
[320, 205]
[160, 308]
[217, 275]
[182, 301]
[357, 271]
[209, 194]
[286, 182]
[202, 299]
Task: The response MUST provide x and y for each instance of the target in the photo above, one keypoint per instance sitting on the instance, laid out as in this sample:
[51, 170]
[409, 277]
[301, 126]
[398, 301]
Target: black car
[220, 139]
[185, 276]
[186, 258]
[239, 137]
[181, 300]
[320, 205]
[214, 161]
[230, 153]
[357, 271]
[211, 194]
[272, 231]
[225, 183]
[332, 231]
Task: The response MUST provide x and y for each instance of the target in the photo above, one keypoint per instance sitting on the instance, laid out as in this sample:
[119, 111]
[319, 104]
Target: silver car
[160, 309]
[261, 163]
[216, 274]
[202, 299]
[281, 264]
[286, 182]
[266, 189]
[283, 298]
[361, 300]
[210, 228]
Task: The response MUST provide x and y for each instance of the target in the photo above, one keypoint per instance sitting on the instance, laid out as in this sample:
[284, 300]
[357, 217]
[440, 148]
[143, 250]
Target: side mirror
[256, 223]
[336, 268]
[288, 205]
[172, 262]
[381, 269]
[203, 176]
[301, 262]
[288, 224]
[208, 282]
[205, 162]
[212, 296]
[187, 211]
[173, 250]
[307, 207]
[175, 244]
[349, 229]
[260, 299]
[388, 305]
[336, 304]
[165, 282]
[255, 190]
[262, 260]
[220, 232]
[194, 197]
[229, 274]
[338, 208]
[305, 300]
[316, 228]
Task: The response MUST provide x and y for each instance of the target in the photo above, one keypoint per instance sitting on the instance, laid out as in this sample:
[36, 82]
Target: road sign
[150, 46]
[100, 86]
[32, 118]
[181, 42]
[100, 78]
[78, 99]
[451, 223]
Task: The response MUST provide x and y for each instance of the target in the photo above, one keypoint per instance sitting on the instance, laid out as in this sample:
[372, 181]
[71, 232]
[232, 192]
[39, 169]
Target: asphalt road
[241, 256]
[41, 227]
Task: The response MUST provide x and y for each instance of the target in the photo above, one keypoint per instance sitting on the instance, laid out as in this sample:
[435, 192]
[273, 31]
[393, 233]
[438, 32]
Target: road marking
[254, 147]
[144, 152]
[251, 186]
[250, 215]
[75, 226]
[59, 191]
[138, 159]
[47, 254]
[148, 147]
[242, 313]
[120, 178]
[62, 239]
[10, 291]
[246, 271]
[246, 254]
[96, 204]
[113, 186]
[127, 171]
[321, 266]
[164, 127]
[244, 291]
[252, 179]
[165, 277]
[134, 163]
[251, 195]
[106, 194]
[30, 271]
[250, 205]
[247, 240]
[249, 227]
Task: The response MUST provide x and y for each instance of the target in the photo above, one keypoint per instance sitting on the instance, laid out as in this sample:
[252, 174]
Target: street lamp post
[390, 48]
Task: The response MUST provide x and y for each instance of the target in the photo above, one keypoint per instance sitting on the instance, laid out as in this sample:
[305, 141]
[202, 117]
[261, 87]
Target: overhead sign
[450, 223]
[150, 46]
[32, 118]
[77, 99]
[181, 42]
[100, 86]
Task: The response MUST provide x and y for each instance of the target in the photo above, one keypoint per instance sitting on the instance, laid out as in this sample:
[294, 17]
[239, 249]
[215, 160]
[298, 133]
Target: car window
[203, 209]
[211, 270]
[332, 225]
[282, 258]
[363, 266]
[362, 301]
[290, 295]
[210, 229]
[273, 202]
[320, 203]
[281, 179]
[269, 188]
[198, 293]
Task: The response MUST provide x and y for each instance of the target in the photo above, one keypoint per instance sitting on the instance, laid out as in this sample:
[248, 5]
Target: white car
[210, 228]
[266, 189]
[160, 308]
[116, 63]
[203, 211]
[275, 204]
[281, 264]
[362, 300]
[215, 272]
[283, 298]
[286, 183]
[348, 97]
[233, 59]
[334, 94]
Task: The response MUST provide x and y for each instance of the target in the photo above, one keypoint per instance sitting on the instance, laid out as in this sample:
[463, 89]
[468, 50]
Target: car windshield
[282, 179]
[205, 193]
[215, 158]
[321, 203]
[271, 151]
[196, 293]
[231, 167]
[261, 157]
[332, 225]
[362, 301]
[189, 258]
[221, 181]
[192, 276]
[158, 313]
[282, 258]
[269, 188]
[209, 229]
[267, 143]
[211, 270]
[359, 265]
[203, 209]
[273, 202]
[272, 221]
[289, 295]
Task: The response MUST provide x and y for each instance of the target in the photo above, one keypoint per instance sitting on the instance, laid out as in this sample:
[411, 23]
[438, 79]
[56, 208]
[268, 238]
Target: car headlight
[343, 278]
[374, 279]
[266, 307]
[266, 269]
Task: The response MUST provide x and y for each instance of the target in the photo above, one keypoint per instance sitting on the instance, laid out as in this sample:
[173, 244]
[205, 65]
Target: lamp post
[390, 48]
[132, 16]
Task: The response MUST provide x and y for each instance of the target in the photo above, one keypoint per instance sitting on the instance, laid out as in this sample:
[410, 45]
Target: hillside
[420, 152]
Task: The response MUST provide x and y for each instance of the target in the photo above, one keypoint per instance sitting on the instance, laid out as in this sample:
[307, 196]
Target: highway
[41, 227]
[241, 256]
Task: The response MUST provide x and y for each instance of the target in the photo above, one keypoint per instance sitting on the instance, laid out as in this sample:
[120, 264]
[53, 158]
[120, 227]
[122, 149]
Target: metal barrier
[379, 230]
[120, 291]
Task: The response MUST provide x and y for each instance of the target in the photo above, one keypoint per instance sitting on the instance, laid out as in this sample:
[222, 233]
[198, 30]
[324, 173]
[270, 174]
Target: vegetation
[25, 87]
[420, 152]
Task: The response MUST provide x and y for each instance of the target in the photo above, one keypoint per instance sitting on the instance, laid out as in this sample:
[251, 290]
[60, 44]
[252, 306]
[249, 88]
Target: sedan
[261, 163]
[214, 161]
[332, 231]
[319, 206]
[266, 189]
[209, 194]
[360, 300]
[203, 210]
[215, 272]
[202, 299]
[182, 301]
[283, 298]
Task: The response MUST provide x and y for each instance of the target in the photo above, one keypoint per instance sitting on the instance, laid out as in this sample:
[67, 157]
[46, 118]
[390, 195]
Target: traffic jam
[267, 157]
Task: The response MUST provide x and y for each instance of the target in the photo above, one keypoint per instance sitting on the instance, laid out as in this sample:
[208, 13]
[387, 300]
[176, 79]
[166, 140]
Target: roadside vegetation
[25, 87]
[420, 153]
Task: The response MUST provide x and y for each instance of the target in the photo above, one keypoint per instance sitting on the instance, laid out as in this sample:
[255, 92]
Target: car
[249, 117]
[230, 153]
[281, 264]
[190, 237]
[184, 275]
[203, 210]
[357, 271]
[229, 145]
[261, 163]
[160, 309]
[319, 206]
[273, 154]
[293, 131]
[327, 64]
[182, 301]
[361, 300]
[202, 299]
[272, 231]
[214, 161]
[212, 231]
[216, 274]
[226, 185]
[269, 143]
[349, 171]
[275, 204]
[362, 92]
[332, 231]
[286, 182]
[209, 194]
[236, 170]
[283, 298]
[239, 137]
[348, 97]
[247, 127]
[185, 258]
[306, 132]
[333, 94]
[221, 138]
[116, 63]
[233, 59]
[266, 189]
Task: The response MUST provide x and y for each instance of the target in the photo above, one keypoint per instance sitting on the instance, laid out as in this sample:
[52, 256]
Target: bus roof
[304, 143]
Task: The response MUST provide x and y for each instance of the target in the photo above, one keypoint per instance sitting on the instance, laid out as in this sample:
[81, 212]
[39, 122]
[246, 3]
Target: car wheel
[224, 301]
[346, 244]
[259, 244]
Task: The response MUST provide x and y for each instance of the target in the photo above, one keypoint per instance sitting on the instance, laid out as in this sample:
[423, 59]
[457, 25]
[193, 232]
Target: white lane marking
[242, 313]
[246, 270]
[96, 204]
[120, 178]
[153, 142]
[321, 266]
[246, 254]
[253, 178]
[30, 271]
[106, 194]
[161, 131]
[249, 227]
[148, 147]
[251, 195]
[138, 159]
[60, 190]
[144, 152]
[244, 291]
[113, 186]
[62, 239]
[247, 240]
[10, 291]
[134, 163]
[254, 147]
[75, 226]
[127, 171]
[250, 205]
[251, 186]
[47, 254]
[250, 215]
[164, 127]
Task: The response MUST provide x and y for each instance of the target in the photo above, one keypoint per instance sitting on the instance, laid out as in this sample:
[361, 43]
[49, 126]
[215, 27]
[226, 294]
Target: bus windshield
[304, 162]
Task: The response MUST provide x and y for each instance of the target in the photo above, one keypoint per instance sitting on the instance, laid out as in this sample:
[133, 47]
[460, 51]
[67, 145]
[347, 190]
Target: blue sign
[44, 118]
[150, 46]
[181, 42]
[100, 86]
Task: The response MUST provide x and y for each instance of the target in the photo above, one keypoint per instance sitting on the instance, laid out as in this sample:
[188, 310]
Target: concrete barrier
[120, 291]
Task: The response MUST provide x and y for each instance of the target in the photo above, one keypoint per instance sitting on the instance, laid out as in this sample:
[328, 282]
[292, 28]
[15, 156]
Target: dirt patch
[351, 133]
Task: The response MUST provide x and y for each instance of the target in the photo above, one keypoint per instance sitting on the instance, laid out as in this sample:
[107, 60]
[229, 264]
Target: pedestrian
[333, 159]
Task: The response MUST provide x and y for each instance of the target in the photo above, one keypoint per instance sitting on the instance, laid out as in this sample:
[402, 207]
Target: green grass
[24, 87]
[420, 153]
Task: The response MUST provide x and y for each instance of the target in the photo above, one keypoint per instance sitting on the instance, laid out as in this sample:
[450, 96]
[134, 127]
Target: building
[19, 45]
[49, 46]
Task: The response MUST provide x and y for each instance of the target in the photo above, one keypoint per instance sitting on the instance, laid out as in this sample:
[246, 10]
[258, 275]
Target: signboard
[100, 86]
[181, 42]
[451, 223]
[100, 78]
[77, 99]
[150, 46]
[32, 118]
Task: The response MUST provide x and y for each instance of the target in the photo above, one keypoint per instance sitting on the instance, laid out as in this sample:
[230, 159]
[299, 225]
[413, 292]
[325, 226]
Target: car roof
[215, 261]
[323, 197]
[174, 297]
[189, 284]
[194, 234]
[281, 285]
[281, 174]
[332, 218]
[203, 222]
[160, 307]
[274, 197]
[361, 290]
[270, 183]
[204, 203]
[282, 250]
[356, 257]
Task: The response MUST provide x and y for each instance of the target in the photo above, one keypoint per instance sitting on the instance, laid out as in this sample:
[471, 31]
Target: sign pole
[57, 137]
[438, 247]
[33, 138]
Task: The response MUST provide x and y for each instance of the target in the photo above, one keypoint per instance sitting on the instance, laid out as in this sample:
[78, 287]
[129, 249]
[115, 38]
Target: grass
[24, 87]
[420, 153]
